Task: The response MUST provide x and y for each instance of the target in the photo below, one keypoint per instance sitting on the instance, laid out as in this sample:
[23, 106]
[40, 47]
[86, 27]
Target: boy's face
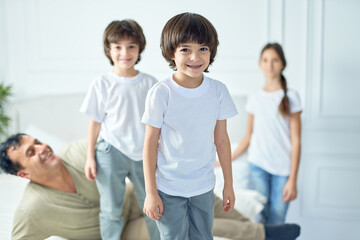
[124, 54]
[191, 59]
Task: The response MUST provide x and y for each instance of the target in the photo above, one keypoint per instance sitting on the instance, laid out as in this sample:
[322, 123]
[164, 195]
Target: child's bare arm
[153, 206]
[290, 189]
[223, 149]
[93, 133]
[245, 141]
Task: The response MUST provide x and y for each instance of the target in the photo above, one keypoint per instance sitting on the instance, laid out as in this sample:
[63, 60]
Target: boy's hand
[217, 164]
[153, 206]
[90, 169]
[290, 191]
[228, 199]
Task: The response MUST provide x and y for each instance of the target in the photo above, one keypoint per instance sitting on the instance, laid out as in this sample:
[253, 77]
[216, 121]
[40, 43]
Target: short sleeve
[155, 106]
[295, 102]
[95, 101]
[250, 104]
[75, 154]
[227, 106]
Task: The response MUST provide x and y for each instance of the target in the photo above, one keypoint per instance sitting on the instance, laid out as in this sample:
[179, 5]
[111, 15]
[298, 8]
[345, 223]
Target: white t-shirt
[118, 104]
[270, 145]
[187, 118]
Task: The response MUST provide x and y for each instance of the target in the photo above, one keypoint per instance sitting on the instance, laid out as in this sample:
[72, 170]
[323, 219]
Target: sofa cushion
[135, 225]
[136, 230]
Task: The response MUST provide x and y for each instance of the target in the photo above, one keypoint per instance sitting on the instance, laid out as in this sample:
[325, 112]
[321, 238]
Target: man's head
[188, 28]
[27, 157]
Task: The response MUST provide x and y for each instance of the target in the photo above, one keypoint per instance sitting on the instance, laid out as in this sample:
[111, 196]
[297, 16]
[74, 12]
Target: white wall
[3, 43]
[329, 204]
[55, 47]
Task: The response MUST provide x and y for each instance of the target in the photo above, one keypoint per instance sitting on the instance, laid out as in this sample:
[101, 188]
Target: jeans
[112, 168]
[187, 218]
[271, 186]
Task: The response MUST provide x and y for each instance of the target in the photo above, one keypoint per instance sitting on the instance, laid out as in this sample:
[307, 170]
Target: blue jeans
[112, 168]
[271, 186]
[187, 218]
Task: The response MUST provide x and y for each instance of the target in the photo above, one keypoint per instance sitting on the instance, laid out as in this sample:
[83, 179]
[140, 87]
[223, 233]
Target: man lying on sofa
[60, 201]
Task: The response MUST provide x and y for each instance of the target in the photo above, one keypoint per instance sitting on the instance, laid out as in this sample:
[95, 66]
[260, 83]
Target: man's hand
[153, 206]
[228, 199]
[90, 169]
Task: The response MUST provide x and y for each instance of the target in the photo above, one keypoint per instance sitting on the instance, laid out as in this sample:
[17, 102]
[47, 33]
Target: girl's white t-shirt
[118, 103]
[187, 119]
[270, 145]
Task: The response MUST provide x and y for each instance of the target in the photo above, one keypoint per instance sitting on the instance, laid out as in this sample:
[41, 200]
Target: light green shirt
[44, 212]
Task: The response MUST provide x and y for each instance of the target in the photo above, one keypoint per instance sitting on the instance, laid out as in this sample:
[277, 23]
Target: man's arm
[26, 225]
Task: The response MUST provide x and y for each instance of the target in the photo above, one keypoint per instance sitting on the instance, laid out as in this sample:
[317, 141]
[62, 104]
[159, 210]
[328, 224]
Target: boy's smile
[124, 54]
[194, 66]
[191, 59]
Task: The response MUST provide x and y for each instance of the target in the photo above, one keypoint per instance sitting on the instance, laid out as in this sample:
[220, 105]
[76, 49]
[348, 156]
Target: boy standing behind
[115, 103]
[185, 118]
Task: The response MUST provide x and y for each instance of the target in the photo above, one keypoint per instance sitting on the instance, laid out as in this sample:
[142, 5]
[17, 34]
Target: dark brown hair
[125, 29]
[284, 107]
[6, 164]
[188, 28]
